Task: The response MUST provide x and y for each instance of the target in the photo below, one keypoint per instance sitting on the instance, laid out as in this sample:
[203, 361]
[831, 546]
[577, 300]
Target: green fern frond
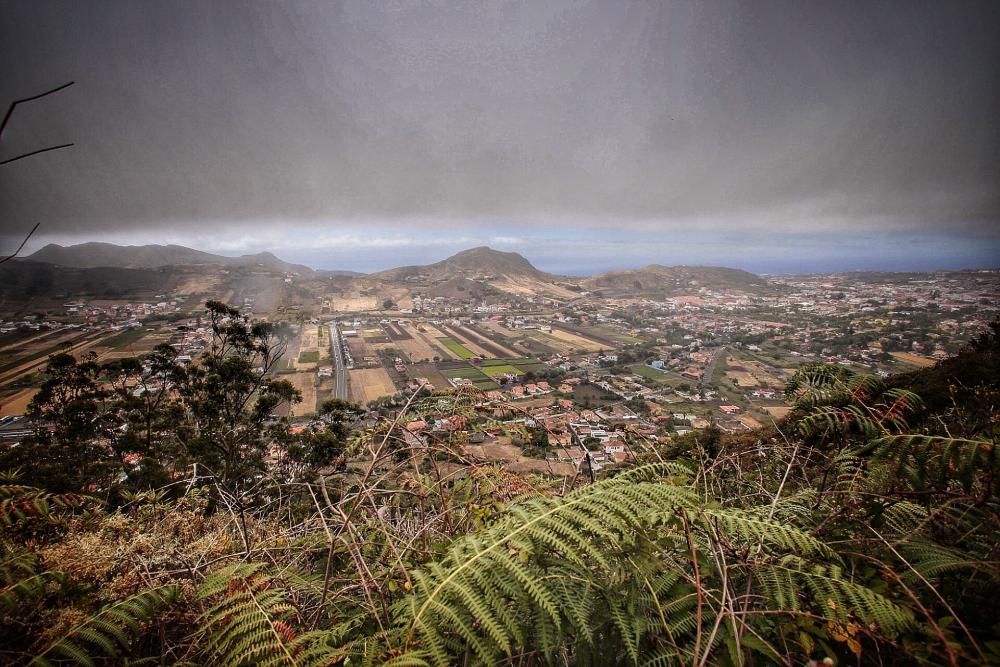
[107, 633]
[792, 580]
[510, 582]
[825, 419]
[745, 527]
[930, 561]
[903, 518]
[928, 459]
[23, 581]
[19, 503]
[254, 622]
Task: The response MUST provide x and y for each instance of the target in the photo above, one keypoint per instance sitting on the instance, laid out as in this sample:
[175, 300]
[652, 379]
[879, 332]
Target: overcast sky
[773, 136]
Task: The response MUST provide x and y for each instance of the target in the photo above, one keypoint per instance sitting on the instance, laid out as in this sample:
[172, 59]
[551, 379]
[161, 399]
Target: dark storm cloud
[618, 115]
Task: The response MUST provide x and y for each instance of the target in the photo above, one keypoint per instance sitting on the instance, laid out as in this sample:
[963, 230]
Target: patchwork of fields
[487, 374]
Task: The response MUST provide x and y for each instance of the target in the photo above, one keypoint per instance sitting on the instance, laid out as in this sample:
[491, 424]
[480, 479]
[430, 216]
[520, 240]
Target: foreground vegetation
[861, 529]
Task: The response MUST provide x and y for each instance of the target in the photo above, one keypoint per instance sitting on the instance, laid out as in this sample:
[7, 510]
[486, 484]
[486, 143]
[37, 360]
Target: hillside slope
[94, 254]
[678, 279]
[478, 262]
[25, 280]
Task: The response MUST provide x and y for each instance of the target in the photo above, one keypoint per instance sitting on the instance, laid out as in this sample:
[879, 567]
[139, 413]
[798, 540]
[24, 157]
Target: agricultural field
[353, 303]
[776, 411]
[579, 342]
[17, 403]
[495, 326]
[457, 348]
[551, 342]
[35, 357]
[374, 336]
[478, 378]
[323, 341]
[310, 357]
[411, 343]
[745, 373]
[432, 338]
[490, 343]
[25, 351]
[467, 372]
[305, 382]
[596, 336]
[911, 359]
[25, 356]
[525, 365]
[367, 384]
[430, 371]
[536, 346]
[456, 334]
[501, 370]
[656, 375]
[125, 339]
[395, 331]
[21, 338]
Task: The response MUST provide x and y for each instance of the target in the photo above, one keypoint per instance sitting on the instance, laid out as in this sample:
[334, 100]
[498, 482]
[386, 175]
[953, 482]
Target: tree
[323, 447]
[67, 452]
[229, 398]
[538, 444]
[124, 424]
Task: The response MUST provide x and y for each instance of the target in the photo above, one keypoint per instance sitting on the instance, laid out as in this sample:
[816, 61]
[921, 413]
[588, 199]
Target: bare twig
[10, 112]
[20, 247]
[40, 150]
[10, 109]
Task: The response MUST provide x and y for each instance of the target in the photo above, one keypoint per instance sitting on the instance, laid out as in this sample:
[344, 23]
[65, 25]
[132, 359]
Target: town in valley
[606, 365]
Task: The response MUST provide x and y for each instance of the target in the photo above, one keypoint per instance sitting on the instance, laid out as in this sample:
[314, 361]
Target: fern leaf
[102, 631]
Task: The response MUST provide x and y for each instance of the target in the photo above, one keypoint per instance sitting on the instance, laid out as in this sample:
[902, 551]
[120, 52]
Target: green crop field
[501, 369]
[527, 365]
[484, 384]
[457, 348]
[124, 338]
[650, 373]
[466, 372]
[309, 357]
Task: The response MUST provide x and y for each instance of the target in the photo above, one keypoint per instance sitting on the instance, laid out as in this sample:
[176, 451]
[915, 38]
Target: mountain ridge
[660, 278]
[96, 254]
[509, 271]
[480, 260]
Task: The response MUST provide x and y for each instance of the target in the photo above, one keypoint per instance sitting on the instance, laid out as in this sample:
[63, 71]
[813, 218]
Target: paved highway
[339, 371]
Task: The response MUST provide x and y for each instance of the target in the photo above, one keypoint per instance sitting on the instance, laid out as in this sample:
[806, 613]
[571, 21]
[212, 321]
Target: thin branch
[20, 247]
[40, 150]
[10, 109]
[10, 112]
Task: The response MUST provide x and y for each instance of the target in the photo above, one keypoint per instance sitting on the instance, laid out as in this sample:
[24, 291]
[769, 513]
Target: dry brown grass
[367, 384]
[16, 404]
[305, 382]
[913, 359]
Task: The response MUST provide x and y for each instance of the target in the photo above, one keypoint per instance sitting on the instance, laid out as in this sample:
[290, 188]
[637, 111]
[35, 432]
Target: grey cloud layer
[777, 113]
